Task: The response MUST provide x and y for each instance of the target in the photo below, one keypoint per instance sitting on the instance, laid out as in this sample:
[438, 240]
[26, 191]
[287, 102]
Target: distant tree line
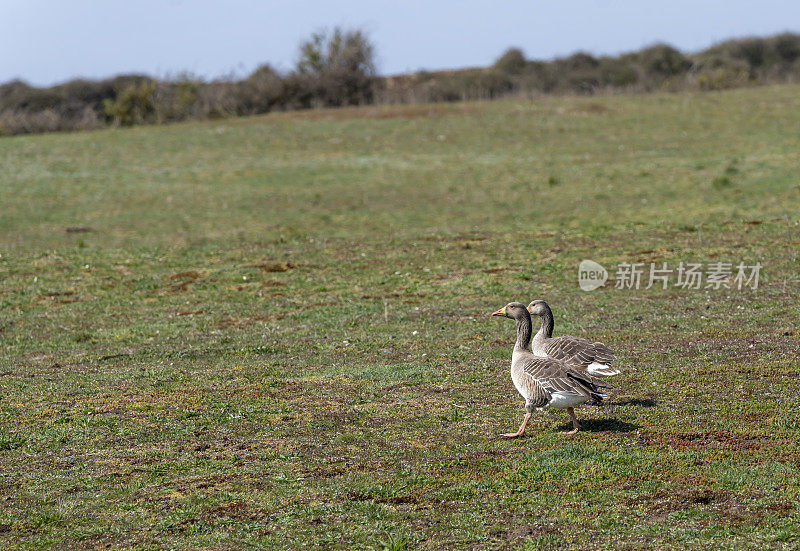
[338, 69]
[659, 67]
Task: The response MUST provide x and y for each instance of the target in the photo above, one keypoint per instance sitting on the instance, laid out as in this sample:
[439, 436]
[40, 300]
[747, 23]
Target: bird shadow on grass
[602, 425]
[640, 402]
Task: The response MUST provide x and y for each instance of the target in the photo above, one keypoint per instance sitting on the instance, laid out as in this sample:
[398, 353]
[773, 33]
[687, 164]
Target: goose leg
[575, 425]
[521, 427]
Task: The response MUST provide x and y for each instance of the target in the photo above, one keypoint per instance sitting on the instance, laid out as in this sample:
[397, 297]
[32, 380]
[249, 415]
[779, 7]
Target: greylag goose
[545, 382]
[592, 357]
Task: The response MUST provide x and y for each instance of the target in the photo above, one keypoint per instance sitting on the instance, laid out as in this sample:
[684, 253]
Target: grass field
[275, 332]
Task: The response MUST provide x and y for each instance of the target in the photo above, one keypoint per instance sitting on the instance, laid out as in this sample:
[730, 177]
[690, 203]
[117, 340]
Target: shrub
[753, 50]
[722, 79]
[787, 46]
[178, 99]
[577, 73]
[134, 104]
[261, 92]
[764, 59]
[216, 100]
[13, 94]
[580, 61]
[540, 77]
[86, 92]
[662, 60]
[336, 69]
[618, 72]
[719, 71]
[512, 62]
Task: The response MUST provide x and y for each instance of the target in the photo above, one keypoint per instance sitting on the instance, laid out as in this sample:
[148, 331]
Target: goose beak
[500, 312]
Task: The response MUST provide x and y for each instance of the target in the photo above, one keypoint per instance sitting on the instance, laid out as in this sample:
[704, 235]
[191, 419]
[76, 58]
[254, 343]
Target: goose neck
[524, 332]
[546, 330]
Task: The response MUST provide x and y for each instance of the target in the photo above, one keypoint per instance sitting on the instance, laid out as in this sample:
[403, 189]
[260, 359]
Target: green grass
[275, 332]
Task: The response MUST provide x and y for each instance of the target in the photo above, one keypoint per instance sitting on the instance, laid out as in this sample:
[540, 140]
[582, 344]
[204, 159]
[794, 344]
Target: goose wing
[555, 376]
[581, 353]
[602, 354]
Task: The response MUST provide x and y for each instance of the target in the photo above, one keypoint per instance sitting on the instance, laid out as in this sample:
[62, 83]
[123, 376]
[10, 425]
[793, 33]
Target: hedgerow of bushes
[338, 69]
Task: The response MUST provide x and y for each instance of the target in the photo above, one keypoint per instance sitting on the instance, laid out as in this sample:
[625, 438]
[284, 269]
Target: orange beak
[500, 312]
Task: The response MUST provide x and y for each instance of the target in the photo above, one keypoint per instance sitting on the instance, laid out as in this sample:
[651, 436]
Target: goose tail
[596, 369]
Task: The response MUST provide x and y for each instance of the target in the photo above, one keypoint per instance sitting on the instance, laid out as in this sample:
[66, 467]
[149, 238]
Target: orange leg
[575, 425]
[521, 428]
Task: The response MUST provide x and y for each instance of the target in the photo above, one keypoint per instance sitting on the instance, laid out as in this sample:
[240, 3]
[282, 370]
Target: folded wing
[594, 358]
[561, 385]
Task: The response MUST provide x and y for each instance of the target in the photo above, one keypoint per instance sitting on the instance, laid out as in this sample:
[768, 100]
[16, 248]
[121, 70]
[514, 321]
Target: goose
[592, 357]
[545, 382]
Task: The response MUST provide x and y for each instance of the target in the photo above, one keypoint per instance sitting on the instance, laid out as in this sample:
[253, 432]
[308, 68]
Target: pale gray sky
[49, 41]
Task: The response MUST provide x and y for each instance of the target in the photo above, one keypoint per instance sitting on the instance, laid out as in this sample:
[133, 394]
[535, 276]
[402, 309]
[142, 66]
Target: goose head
[513, 310]
[537, 308]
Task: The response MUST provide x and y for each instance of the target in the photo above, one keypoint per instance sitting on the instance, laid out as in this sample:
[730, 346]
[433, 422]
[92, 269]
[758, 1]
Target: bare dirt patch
[59, 297]
[676, 499]
[272, 266]
[383, 112]
[394, 500]
[184, 279]
[590, 108]
[510, 539]
[718, 439]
